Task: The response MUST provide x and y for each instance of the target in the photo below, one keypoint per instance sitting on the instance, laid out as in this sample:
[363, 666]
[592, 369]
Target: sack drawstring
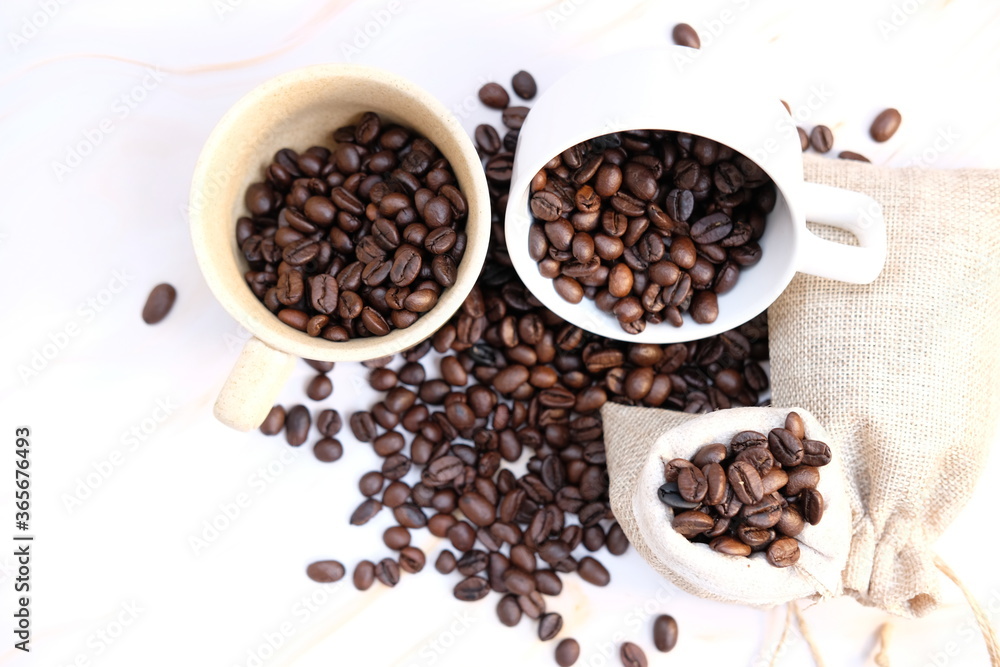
[794, 614]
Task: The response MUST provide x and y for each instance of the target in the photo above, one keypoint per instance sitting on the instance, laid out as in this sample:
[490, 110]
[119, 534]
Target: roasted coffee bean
[326, 571]
[800, 478]
[487, 139]
[508, 611]
[297, 424]
[685, 35]
[821, 139]
[730, 546]
[319, 387]
[494, 96]
[759, 457]
[471, 589]
[851, 155]
[159, 303]
[328, 450]
[371, 483]
[274, 421]
[387, 572]
[593, 572]
[885, 125]
[664, 633]
[513, 117]
[815, 453]
[791, 522]
[363, 426]
[745, 481]
[524, 85]
[692, 523]
[567, 652]
[630, 654]
[549, 626]
[812, 505]
[786, 448]
[445, 563]
[364, 575]
[783, 552]
[365, 511]
[795, 425]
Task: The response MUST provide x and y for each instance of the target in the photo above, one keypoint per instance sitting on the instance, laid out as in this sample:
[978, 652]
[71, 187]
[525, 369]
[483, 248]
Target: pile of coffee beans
[649, 224]
[356, 241]
[507, 381]
[756, 495]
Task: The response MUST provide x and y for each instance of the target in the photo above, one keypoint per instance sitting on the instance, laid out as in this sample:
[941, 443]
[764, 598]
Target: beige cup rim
[225, 283]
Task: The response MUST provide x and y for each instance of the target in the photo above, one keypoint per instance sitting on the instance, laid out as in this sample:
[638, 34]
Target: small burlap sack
[904, 374]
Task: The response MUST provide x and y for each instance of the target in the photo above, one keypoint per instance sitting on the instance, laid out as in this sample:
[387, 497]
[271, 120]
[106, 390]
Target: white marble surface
[138, 87]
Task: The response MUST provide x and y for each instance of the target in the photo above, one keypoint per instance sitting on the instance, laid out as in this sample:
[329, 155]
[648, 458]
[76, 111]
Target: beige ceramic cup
[297, 110]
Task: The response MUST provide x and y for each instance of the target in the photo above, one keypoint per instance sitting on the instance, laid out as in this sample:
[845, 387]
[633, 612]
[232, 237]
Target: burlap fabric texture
[904, 374]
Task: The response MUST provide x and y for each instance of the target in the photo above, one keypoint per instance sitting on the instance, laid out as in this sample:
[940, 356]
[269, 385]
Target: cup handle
[253, 384]
[851, 211]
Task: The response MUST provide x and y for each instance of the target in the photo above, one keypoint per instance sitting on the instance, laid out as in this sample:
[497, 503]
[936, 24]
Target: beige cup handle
[253, 384]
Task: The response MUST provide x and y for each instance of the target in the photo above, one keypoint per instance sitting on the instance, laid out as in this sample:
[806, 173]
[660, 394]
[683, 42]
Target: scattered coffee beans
[755, 495]
[524, 85]
[511, 381]
[885, 125]
[649, 224]
[358, 240]
[633, 656]
[158, 303]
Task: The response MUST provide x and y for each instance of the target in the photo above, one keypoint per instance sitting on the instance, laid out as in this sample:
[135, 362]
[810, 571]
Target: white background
[64, 236]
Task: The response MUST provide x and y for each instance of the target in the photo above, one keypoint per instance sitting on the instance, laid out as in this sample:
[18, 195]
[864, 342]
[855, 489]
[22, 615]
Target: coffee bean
[821, 139]
[567, 652]
[593, 572]
[729, 546]
[783, 552]
[508, 611]
[815, 453]
[851, 155]
[692, 523]
[328, 450]
[319, 387]
[513, 117]
[885, 125]
[364, 575]
[685, 35]
[365, 511]
[786, 448]
[664, 633]
[812, 505]
[704, 307]
[471, 589]
[387, 572]
[326, 571]
[800, 478]
[494, 96]
[795, 425]
[791, 522]
[274, 421]
[631, 655]
[297, 425]
[159, 303]
[396, 537]
[411, 559]
[487, 139]
[745, 481]
[549, 626]
[524, 85]
[371, 483]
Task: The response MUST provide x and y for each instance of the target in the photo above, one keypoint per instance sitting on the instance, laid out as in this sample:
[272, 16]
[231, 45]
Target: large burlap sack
[904, 374]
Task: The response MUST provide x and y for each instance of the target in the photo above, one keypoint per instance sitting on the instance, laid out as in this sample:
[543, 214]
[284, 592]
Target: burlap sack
[903, 373]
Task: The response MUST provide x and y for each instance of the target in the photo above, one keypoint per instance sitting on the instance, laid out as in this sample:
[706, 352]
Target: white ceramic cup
[674, 88]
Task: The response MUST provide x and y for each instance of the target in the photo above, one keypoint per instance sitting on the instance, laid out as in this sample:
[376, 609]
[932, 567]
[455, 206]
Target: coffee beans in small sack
[757, 494]
[358, 240]
[648, 224]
